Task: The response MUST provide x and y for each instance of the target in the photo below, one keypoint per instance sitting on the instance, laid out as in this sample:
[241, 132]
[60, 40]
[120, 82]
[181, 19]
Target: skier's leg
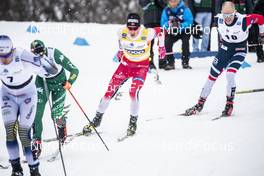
[27, 111]
[42, 100]
[37, 125]
[119, 77]
[236, 62]
[9, 114]
[139, 76]
[58, 100]
[219, 63]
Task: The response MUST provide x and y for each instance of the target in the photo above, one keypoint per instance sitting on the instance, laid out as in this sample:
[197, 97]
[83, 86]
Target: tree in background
[97, 11]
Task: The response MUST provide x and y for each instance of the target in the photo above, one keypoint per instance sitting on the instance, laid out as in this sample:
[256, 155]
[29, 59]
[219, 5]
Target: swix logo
[215, 61]
[136, 51]
[28, 100]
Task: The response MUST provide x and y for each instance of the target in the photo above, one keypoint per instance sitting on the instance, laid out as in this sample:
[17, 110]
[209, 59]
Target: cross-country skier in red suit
[133, 54]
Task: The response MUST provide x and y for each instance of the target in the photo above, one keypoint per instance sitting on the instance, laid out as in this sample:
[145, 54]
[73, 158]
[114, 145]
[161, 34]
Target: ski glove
[67, 85]
[120, 55]
[36, 147]
[162, 52]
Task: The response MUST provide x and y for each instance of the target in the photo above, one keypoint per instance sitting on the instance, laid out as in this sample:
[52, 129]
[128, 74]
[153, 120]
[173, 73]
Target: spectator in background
[152, 15]
[202, 12]
[177, 19]
[254, 38]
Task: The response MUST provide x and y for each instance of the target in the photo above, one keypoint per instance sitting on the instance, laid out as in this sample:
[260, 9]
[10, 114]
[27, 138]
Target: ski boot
[87, 129]
[196, 108]
[185, 62]
[169, 67]
[260, 54]
[186, 66]
[228, 109]
[16, 167]
[36, 147]
[132, 126]
[162, 64]
[34, 170]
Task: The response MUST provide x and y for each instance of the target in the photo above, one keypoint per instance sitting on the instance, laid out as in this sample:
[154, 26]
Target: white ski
[4, 167]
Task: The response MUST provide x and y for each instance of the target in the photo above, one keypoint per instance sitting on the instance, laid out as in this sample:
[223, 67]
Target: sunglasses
[6, 55]
[38, 51]
[134, 28]
[228, 15]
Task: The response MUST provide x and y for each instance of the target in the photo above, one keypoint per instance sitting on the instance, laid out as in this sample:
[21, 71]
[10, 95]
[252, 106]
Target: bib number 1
[233, 37]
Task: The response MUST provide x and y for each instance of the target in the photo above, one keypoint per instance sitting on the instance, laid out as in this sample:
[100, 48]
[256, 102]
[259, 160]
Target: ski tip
[158, 82]
[4, 167]
[183, 114]
[220, 117]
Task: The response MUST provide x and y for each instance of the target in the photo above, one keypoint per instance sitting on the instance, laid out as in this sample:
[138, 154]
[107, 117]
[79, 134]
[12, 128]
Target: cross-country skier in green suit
[57, 86]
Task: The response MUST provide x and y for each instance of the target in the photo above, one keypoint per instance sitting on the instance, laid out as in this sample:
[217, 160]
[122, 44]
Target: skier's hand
[67, 85]
[120, 55]
[162, 52]
[36, 147]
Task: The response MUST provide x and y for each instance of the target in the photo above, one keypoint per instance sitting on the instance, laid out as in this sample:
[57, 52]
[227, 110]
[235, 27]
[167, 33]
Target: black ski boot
[185, 62]
[260, 54]
[228, 109]
[196, 108]
[186, 65]
[132, 126]
[169, 67]
[87, 129]
[16, 167]
[34, 170]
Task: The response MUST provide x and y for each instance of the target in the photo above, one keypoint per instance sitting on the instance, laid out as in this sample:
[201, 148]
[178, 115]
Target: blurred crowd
[178, 17]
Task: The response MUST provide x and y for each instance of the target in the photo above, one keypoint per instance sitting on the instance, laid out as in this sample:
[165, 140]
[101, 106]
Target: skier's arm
[156, 32]
[37, 64]
[120, 53]
[66, 64]
[255, 19]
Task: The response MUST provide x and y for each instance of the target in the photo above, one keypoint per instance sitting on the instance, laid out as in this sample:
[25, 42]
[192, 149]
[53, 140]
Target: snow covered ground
[165, 144]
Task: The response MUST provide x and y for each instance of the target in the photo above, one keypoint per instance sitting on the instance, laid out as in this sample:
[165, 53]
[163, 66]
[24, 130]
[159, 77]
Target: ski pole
[250, 91]
[257, 44]
[61, 155]
[88, 119]
[170, 53]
